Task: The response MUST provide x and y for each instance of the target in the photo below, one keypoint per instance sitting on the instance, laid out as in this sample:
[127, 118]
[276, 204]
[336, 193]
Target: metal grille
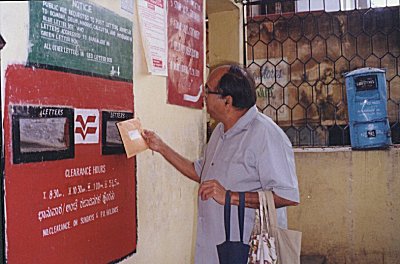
[299, 57]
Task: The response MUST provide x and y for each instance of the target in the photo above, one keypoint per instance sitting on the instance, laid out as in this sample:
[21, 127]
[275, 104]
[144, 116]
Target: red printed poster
[70, 191]
[185, 53]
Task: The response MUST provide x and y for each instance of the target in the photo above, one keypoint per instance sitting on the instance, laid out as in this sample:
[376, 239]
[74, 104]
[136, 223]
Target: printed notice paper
[153, 27]
[185, 53]
[131, 135]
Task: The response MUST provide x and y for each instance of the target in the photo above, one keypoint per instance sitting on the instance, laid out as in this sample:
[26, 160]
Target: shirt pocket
[240, 171]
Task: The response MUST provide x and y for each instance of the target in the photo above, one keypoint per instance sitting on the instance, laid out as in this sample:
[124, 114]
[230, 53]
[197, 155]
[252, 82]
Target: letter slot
[42, 133]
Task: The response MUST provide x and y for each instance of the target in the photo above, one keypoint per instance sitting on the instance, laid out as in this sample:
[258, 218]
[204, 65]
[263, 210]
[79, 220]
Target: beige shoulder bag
[270, 244]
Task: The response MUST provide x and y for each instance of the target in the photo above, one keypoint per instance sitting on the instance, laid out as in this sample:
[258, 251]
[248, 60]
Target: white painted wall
[14, 29]
[167, 202]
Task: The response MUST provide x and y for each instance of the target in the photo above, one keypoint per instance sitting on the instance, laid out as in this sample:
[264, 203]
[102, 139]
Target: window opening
[299, 55]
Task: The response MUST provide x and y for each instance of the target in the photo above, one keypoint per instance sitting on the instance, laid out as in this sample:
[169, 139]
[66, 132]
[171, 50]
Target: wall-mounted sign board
[70, 190]
[81, 37]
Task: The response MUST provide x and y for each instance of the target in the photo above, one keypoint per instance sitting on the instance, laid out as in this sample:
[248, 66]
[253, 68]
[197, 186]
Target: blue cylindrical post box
[367, 105]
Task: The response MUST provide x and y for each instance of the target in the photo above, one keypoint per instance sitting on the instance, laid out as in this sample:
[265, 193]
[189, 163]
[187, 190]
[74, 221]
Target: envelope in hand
[131, 135]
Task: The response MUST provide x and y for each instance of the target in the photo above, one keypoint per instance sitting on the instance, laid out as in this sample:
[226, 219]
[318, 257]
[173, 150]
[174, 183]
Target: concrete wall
[350, 205]
[224, 37]
[166, 201]
[349, 209]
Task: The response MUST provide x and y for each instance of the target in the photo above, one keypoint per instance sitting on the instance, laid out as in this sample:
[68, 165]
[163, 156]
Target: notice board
[185, 53]
[79, 35]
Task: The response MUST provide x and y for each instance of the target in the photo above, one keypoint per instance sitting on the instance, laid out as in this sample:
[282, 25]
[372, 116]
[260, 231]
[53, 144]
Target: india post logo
[86, 126]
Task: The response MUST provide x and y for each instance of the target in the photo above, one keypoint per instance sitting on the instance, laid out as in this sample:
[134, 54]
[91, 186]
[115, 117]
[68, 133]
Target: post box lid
[364, 71]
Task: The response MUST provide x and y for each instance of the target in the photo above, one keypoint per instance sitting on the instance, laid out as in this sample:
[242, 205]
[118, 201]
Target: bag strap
[241, 214]
[271, 209]
[261, 212]
[227, 215]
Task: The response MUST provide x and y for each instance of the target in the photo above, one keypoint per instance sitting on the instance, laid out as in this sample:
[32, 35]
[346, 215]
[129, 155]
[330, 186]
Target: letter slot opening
[111, 139]
[42, 133]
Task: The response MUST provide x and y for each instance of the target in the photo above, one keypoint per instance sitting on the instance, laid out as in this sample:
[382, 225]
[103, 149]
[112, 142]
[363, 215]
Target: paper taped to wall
[131, 135]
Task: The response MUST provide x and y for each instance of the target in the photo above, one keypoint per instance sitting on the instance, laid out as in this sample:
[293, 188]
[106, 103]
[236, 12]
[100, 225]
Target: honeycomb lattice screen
[298, 53]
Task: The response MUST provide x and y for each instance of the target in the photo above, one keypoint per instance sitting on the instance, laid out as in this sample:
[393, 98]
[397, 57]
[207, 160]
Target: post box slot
[111, 139]
[42, 133]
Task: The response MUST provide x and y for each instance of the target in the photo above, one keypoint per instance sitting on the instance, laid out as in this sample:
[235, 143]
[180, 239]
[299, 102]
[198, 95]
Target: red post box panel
[70, 192]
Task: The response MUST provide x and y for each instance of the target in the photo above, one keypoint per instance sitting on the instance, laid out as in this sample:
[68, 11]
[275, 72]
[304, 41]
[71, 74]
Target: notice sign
[80, 36]
[153, 26]
[71, 194]
[185, 53]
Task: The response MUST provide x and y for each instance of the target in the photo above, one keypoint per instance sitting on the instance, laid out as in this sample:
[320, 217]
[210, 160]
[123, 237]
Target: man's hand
[153, 140]
[212, 189]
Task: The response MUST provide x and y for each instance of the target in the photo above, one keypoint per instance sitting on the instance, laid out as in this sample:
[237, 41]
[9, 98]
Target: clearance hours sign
[70, 190]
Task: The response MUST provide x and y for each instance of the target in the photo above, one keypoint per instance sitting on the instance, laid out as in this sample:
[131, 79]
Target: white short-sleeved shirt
[254, 154]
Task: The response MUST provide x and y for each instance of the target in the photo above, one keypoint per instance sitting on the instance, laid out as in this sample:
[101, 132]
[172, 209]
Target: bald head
[234, 81]
[216, 74]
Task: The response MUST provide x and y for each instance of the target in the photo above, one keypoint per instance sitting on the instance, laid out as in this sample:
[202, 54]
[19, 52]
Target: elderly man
[247, 152]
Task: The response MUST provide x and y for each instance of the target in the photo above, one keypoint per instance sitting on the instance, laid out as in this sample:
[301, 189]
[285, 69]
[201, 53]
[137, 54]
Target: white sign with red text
[153, 27]
[86, 126]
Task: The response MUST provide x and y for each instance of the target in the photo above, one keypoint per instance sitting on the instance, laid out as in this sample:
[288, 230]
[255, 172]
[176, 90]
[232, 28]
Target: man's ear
[228, 100]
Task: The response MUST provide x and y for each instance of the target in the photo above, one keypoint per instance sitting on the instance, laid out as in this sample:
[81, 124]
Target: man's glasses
[207, 91]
